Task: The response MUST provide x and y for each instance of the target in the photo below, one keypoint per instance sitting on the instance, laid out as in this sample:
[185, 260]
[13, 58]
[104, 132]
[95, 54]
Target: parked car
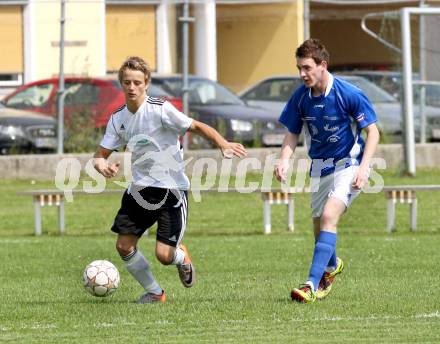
[214, 104]
[26, 132]
[273, 93]
[97, 96]
[391, 81]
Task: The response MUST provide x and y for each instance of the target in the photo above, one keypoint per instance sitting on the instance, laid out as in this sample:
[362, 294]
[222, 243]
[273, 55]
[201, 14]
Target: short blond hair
[135, 63]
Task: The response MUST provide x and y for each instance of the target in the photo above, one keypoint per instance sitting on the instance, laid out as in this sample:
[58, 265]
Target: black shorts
[139, 211]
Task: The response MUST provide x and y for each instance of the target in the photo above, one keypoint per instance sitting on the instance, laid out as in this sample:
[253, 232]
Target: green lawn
[388, 292]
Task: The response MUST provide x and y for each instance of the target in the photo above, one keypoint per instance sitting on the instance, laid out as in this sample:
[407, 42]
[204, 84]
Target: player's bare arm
[288, 147]
[101, 164]
[229, 149]
[371, 143]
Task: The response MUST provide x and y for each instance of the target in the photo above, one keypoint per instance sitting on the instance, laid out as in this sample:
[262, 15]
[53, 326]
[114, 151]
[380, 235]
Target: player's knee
[328, 219]
[124, 249]
[164, 257]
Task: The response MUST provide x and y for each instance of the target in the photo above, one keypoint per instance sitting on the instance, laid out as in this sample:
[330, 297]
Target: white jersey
[152, 135]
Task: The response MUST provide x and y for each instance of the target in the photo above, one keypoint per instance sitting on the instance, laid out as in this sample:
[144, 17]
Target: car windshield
[33, 96]
[374, 93]
[273, 90]
[201, 91]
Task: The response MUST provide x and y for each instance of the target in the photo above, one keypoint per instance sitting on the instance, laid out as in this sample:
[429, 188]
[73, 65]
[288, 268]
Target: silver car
[273, 93]
[26, 132]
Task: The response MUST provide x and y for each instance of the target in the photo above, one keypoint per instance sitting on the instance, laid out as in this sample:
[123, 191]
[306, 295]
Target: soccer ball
[101, 278]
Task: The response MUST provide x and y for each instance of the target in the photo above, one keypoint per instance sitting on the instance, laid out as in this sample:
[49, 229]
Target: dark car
[26, 132]
[391, 81]
[98, 97]
[214, 104]
[273, 93]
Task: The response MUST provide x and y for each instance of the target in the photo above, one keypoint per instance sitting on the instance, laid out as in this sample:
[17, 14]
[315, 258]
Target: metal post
[391, 213]
[60, 99]
[61, 223]
[291, 213]
[266, 216]
[185, 19]
[306, 18]
[422, 71]
[410, 158]
[37, 215]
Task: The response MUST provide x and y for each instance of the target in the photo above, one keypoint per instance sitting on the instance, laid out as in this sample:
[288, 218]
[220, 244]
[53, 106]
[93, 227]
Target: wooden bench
[279, 196]
[55, 197]
[404, 194]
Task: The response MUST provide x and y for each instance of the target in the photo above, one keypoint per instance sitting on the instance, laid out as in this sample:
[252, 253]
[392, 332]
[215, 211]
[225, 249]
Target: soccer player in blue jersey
[332, 112]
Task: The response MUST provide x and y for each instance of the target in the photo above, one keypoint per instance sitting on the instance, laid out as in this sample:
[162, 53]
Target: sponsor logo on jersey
[333, 138]
[313, 129]
[327, 127]
[330, 118]
[122, 127]
[321, 106]
[360, 117]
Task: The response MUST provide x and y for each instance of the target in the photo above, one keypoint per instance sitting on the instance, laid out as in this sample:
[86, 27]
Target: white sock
[139, 268]
[179, 256]
[330, 268]
[310, 284]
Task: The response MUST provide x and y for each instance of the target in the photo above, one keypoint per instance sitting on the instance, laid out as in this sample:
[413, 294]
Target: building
[234, 41]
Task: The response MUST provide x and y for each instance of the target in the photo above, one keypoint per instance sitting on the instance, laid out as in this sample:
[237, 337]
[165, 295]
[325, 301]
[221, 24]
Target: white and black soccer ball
[101, 278]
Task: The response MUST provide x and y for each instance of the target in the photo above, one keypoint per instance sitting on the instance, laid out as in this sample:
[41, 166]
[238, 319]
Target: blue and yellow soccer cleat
[325, 285]
[303, 294]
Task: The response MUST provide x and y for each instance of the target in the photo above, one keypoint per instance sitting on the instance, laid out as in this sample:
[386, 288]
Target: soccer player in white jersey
[150, 128]
[332, 112]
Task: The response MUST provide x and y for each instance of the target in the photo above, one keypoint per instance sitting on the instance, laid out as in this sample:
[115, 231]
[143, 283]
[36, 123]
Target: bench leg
[61, 217]
[390, 215]
[414, 214]
[266, 217]
[291, 215]
[37, 217]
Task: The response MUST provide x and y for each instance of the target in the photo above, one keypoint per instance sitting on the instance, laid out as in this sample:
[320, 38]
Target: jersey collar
[327, 89]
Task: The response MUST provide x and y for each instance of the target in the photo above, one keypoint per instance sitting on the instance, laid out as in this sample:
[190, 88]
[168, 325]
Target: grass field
[388, 292]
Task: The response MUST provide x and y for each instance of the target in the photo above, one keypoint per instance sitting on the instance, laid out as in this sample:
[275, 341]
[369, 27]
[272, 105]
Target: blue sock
[332, 263]
[324, 248]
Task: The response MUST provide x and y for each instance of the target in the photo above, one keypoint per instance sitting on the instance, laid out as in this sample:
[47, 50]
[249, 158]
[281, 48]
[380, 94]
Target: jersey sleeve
[174, 119]
[362, 110]
[111, 139]
[291, 115]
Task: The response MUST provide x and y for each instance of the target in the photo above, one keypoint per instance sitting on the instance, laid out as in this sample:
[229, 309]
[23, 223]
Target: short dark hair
[314, 49]
[135, 63]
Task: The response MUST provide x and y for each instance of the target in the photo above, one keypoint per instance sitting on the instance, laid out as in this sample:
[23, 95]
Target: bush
[80, 134]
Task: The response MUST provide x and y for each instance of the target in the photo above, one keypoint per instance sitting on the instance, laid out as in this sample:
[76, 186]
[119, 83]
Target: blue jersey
[332, 124]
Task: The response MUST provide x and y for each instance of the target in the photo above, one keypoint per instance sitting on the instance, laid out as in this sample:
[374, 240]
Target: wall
[257, 40]
[11, 39]
[131, 30]
[84, 36]
[43, 167]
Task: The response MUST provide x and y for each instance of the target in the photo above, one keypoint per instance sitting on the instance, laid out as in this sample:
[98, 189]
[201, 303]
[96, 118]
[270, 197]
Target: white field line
[40, 326]
[19, 241]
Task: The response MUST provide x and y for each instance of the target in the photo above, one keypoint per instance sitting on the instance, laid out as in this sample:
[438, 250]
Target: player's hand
[281, 169]
[232, 148]
[109, 170]
[360, 178]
